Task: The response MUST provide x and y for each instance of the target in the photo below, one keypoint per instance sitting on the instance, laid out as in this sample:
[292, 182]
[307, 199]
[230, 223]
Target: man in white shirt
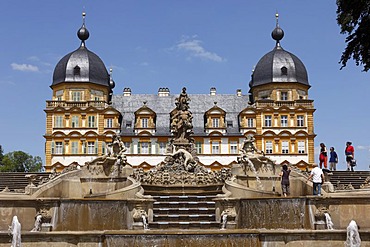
[317, 178]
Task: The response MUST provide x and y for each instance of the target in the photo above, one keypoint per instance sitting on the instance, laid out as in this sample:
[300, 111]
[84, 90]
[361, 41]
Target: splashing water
[353, 237]
[38, 221]
[224, 222]
[16, 232]
[145, 223]
[329, 223]
[259, 183]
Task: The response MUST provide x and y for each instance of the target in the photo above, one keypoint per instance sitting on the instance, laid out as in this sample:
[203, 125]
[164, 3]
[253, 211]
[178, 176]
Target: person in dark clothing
[285, 185]
[333, 160]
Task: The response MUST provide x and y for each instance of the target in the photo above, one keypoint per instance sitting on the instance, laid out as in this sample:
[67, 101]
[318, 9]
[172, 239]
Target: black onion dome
[279, 65]
[81, 65]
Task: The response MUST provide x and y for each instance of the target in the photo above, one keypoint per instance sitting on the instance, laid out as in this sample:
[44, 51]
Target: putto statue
[112, 162]
[253, 159]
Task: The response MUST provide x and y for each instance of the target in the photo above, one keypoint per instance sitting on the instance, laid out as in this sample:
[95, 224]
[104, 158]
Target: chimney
[238, 92]
[212, 91]
[162, 92]
[127, 91]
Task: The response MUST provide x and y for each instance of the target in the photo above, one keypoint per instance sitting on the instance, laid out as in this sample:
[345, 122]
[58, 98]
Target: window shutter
[138, 147]
[96, 147]
[150, 147]
[52, 147]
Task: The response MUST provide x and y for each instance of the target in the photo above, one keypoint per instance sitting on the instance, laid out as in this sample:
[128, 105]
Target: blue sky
[173, 43]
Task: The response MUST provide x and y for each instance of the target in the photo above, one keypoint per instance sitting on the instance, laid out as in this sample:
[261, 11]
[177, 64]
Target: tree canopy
[19, 161]
[353, 17]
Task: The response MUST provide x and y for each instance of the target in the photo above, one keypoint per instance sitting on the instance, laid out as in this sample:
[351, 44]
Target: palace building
[84, 114]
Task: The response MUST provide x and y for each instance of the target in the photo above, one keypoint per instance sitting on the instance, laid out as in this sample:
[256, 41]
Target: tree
[1, 154]
[353, 17]
[19, 161]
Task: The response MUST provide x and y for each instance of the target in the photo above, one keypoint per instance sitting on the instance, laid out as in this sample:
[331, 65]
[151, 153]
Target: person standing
[317, 176]
[323, 158]
[285, 184]
[350, 155]
[333, 160]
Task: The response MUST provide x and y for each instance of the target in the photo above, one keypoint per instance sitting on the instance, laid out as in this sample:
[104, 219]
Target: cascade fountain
[109, 203]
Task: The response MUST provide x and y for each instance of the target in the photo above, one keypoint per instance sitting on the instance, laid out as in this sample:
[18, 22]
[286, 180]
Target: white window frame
[74, 147]
[285, 147]
[58, 121]
[91, 121]
[301, 147]
[215, 122]
[250, 122]
[76, 95]
[300, 121]
[284, 121]
[215, 147]
[233, 147]
[198, 147]
[162, 147]
[268, 121]
[144, 122]
[109, 122]
[58, 148]
[75, 122]
[144, 148]
[269, 147]
[91, 147]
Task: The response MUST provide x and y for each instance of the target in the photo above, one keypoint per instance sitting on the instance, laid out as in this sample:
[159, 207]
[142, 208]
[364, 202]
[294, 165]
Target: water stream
[329, 223]
[16, 232]
[258, 180]
[353, 236]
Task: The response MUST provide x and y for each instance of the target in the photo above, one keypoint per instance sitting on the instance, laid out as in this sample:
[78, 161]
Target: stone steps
[184, 208]
[17, 180]
[344, 178]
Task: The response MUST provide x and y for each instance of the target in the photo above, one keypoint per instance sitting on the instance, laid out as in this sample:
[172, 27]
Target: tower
[79, 119]
[281, 107]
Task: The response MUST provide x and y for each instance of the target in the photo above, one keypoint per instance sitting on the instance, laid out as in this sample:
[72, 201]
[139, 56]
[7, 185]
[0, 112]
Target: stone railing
[70, 104]
[294, 103]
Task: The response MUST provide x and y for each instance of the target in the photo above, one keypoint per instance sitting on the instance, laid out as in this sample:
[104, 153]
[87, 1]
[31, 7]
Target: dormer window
[284, 71]
[76, 70]
[144, 123]
[215, 122]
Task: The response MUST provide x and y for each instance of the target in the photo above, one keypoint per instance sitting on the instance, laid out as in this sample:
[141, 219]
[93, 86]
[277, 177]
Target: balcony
[291, 104]
[80, 104]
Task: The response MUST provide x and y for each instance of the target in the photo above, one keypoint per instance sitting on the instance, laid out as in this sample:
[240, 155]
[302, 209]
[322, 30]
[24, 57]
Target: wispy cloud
[195, 48]
[7, 82]
[363, 148]
[24, 67]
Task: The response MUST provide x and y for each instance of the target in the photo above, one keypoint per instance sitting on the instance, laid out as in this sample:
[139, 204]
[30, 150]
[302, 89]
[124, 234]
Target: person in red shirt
[350, 155]
[323, 158]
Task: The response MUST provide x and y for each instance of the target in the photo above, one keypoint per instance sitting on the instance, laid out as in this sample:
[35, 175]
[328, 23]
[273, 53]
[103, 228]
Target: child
[333, 160]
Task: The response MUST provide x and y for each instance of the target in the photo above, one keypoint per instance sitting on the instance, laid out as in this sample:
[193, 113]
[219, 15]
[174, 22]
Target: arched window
[76, 70]
[284, 71]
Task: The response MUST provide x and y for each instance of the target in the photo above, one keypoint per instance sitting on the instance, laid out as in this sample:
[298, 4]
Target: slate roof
[163, 105]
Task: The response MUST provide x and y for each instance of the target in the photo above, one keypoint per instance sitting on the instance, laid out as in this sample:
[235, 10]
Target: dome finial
[112, 84]
[277, 18]
[278, 33]
[83, 33]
